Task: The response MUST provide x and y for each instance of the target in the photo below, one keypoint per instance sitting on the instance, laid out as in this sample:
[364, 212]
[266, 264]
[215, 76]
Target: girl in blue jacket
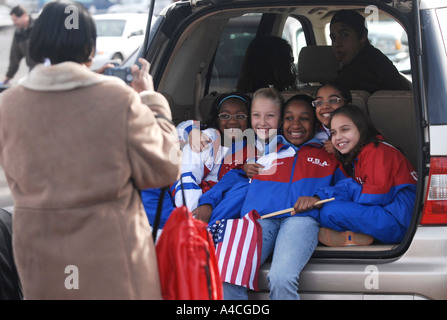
[299, 168]
[377, 201]
[202, 169]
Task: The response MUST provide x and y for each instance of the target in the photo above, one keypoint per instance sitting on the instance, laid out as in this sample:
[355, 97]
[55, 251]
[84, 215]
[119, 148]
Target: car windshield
[110, 28]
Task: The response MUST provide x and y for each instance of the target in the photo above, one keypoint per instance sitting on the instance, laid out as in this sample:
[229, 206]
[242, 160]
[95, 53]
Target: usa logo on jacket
[318, 162]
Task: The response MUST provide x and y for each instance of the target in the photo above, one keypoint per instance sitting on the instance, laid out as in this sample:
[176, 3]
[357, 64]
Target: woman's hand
[142, 80]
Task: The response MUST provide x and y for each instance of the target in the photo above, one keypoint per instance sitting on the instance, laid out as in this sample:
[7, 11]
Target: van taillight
[435, 207]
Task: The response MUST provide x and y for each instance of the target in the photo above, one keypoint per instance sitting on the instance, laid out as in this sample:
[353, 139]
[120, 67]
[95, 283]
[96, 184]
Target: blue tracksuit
[200, 172]
[379, 200]
[289, 173]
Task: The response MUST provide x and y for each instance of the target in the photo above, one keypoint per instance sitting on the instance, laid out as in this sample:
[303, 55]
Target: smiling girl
[265, 121]
[377, 201]
[328, 98]
[298, 168]
[202, 169]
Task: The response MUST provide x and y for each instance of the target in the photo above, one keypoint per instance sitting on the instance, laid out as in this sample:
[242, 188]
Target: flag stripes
[238, 250]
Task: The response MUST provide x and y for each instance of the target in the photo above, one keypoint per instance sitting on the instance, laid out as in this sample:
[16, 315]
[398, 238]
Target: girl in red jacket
[376, 203]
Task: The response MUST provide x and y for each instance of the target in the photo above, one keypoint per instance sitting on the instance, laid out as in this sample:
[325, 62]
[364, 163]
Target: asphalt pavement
[6, 35]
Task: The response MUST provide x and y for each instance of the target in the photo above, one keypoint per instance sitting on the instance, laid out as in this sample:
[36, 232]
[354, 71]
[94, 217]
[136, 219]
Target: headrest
[317, 64]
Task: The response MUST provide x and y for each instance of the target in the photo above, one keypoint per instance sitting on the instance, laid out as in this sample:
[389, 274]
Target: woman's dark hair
[268, 61]
[353, 19]
[345, 92]
[368, 134]
[223, 98]
[64, 31]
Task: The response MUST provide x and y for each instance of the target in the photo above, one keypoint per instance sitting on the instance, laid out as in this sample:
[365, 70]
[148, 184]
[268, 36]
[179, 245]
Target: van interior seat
[318, 65]
[393, 114]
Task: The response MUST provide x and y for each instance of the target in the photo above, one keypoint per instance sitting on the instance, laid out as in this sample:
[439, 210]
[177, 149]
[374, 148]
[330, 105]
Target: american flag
[238, 249]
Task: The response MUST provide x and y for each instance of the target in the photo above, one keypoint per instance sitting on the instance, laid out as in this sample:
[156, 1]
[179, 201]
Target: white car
[118, 36]
[139, 6]
[5, 18]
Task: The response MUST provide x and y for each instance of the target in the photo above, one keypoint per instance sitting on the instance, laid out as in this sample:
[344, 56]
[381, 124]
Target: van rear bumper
[420, 273]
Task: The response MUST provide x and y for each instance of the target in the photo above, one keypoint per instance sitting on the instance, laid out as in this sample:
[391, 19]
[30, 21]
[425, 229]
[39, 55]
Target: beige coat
[75, 147]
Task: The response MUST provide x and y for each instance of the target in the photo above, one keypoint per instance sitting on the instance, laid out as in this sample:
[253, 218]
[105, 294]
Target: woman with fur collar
[76, 146]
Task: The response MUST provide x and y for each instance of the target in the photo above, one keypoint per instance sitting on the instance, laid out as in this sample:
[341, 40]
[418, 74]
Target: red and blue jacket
[200, 171]
[384, 182]
[288, 173]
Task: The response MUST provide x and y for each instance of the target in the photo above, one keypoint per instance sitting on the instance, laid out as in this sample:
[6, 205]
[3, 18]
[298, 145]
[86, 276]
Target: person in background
[363, 66]
[267, 62]
[76, 147]
[376, 201]
[19, 49]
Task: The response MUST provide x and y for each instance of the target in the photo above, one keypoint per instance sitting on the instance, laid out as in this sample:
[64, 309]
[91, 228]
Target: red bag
[187, 262]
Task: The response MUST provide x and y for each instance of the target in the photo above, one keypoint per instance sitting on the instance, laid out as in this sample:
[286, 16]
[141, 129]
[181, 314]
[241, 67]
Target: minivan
[195, 49]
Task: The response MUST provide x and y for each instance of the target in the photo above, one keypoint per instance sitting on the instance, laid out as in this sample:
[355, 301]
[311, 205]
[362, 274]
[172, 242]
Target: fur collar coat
[76, 148]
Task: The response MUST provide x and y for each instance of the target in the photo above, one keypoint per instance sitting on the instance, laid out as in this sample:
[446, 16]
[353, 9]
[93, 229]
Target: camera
[122, 73]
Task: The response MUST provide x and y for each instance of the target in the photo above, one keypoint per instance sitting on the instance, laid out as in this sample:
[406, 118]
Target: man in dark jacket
[19, 47]
[363, 66]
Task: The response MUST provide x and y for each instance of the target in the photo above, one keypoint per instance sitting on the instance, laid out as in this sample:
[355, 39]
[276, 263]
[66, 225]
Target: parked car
[5, 18]
[187, 47]
[94, 6]
[138, 6]
[30, 5]
[119, 35]
[390, 38]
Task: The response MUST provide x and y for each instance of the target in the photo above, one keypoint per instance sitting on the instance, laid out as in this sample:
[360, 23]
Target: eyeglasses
[237, 117]
[319, 103]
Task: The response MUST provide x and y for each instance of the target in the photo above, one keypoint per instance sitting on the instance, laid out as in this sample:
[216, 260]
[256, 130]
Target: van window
[231, 51]
[442, 18]
[433, 36]
[94, 6]
[294, 34]
[234, 42]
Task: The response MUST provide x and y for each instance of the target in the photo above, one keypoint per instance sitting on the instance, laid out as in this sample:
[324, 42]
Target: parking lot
[414, 120]
[6, 35]
[5, 43]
